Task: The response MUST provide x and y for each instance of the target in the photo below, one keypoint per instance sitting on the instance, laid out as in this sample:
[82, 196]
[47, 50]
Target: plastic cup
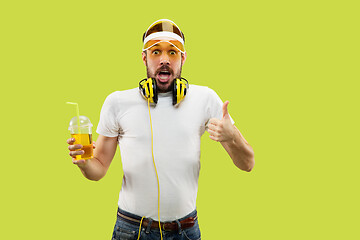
[82, 135]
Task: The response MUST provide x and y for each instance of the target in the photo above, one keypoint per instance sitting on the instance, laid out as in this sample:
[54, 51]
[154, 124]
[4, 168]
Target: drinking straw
[77, 114]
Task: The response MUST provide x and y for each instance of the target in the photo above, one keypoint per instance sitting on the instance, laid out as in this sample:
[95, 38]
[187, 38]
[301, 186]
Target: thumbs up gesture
[221, 130]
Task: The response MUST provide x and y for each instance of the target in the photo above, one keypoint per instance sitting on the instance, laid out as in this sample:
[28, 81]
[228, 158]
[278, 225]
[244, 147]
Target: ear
[144, 57]
[184, 56]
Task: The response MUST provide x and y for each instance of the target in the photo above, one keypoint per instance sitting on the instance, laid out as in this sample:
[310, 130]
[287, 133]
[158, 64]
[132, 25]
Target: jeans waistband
[192, 214]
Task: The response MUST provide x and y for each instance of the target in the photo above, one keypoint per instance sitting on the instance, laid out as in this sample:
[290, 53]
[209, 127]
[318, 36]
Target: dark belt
[165, 226]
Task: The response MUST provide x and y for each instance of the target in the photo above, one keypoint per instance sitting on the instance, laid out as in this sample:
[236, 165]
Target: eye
[172, 52]
[156, 52]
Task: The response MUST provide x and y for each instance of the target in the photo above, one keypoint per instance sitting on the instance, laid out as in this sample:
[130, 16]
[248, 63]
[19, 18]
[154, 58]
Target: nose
[164, 60]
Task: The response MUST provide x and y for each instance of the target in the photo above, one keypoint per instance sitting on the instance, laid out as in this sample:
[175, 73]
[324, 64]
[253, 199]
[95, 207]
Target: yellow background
[290, 70]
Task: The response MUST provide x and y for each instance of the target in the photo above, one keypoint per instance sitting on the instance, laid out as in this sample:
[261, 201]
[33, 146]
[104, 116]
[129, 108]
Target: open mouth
[164, 76]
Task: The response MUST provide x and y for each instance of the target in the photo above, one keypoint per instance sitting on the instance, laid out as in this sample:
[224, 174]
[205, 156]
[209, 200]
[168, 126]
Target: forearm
[93, 169]
[96, 167]
[240, 151]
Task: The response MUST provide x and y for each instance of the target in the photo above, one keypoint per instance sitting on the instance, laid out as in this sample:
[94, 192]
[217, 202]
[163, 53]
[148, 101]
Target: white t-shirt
[177, 132]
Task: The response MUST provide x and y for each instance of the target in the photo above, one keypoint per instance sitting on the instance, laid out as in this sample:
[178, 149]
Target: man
[160, 142]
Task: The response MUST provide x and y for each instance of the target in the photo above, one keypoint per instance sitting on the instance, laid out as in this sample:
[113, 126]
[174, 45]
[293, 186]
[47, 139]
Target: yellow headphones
[148, 89]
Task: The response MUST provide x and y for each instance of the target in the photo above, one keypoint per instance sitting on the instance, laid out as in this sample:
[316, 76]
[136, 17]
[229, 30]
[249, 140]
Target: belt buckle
[163, 226]
[166, 229]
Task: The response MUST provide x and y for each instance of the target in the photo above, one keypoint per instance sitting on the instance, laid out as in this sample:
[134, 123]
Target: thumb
[225, 110]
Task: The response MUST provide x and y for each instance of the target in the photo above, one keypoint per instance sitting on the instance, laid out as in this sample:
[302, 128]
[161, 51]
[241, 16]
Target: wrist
[82, 163]
[232, 136]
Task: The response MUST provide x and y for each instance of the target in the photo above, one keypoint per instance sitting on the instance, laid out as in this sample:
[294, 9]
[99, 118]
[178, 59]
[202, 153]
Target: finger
[225, 110]
[75, 147]
[212, 132]
[214, 121]
[211, 127]
[94, 145]
[70, 140]
[214, 138]
[75, 153]
[78, 162]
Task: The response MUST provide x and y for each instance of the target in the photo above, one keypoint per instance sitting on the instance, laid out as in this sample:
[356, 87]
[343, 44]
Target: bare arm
[231, 139]
[95, 168]
[240, 151]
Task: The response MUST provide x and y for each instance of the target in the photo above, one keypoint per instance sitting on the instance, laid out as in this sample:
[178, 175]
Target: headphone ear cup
[142, 88]
[174, 91]
[185, 84]
[155, 93]
[148, 89]
[180, 87]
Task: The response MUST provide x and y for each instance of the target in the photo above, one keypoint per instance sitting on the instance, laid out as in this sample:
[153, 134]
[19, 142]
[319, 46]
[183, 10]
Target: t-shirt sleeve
[214, 107]
[108, 125]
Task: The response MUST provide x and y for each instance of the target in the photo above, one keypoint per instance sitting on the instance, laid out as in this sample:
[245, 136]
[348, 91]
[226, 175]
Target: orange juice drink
[85, 140]
[81, 129]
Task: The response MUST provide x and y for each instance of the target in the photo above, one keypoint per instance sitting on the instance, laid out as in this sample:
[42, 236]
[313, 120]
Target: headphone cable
[157, 176]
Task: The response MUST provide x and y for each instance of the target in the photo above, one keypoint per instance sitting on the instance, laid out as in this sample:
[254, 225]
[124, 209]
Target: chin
[164, 87]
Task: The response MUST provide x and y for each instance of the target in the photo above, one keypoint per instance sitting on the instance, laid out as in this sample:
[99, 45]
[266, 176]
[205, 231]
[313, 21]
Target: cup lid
[84, 122]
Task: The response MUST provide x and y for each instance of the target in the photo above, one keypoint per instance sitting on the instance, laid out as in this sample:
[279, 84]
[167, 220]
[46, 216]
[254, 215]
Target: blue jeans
[125, 230]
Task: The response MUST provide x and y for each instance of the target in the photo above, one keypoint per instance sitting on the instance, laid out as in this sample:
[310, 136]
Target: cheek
[177, 67]
[151, 58]
[176, 63]
[151, 63]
